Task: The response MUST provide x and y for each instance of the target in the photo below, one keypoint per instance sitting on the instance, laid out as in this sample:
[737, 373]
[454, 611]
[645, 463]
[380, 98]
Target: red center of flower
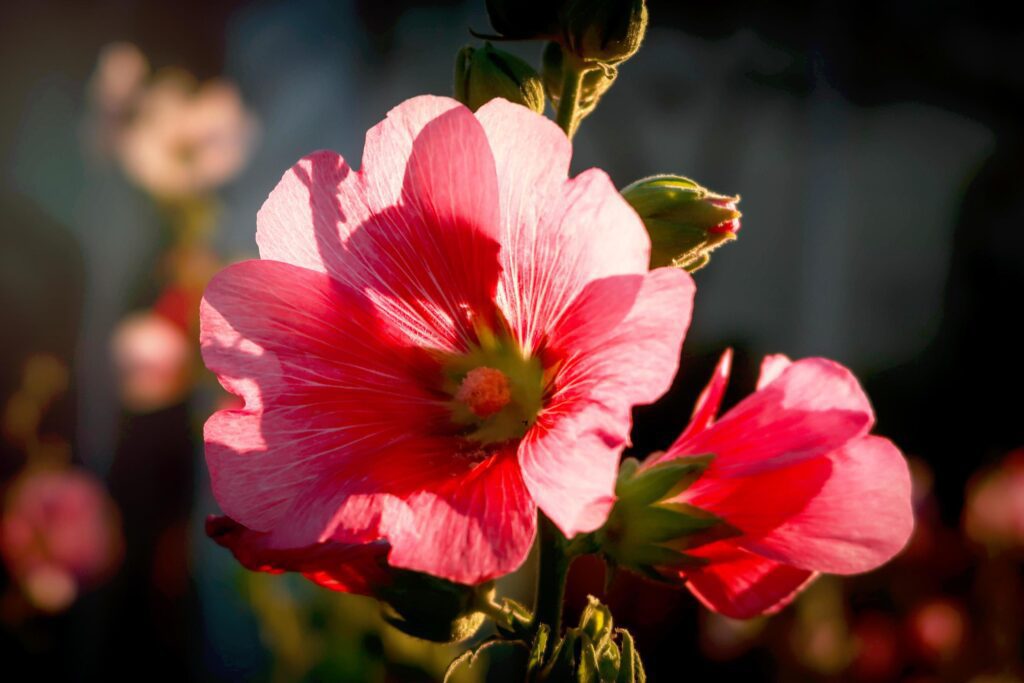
[484, 391]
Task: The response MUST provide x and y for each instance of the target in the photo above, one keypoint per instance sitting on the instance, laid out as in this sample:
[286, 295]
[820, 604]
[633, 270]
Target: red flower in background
[436, 345]
[60, 533]
[797, 474]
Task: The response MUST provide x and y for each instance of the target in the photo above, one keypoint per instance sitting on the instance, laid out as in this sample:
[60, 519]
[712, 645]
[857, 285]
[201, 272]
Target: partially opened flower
[797, 483]
[436, 345]
[60, 533]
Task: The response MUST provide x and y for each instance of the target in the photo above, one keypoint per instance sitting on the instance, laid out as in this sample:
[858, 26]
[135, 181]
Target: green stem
[568, 102]
[554, 568]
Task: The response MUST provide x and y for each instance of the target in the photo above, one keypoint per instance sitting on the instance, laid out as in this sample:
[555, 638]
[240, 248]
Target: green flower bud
[431, 608]
[485, 73]
[596, 80]
[525, 19]
[647, 531]
[686, 222]
[608, 31]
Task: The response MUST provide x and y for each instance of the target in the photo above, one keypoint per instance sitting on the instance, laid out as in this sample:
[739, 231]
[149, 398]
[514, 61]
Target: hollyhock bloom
[436, 345]
[153, 357]
[800, 480]
[59, 533]
[185, 140]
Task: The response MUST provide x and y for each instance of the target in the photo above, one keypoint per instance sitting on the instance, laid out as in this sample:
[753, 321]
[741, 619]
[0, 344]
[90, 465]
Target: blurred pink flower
[186, 140]
[60, 533]
[994, 513]
[938, 629]
[436, 345]
[800, 479]
[153, 359]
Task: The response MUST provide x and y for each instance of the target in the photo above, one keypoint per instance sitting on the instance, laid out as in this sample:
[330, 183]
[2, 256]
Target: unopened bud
[486, 73]
[608, 31]
[686, 222]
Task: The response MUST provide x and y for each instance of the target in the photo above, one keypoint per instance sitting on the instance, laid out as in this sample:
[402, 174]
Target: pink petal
[558, 234]
[763, 501]
[860, 517]
[706, 408]
[468, 528]
[416, 230]
[620, 339]
[811, 408]
[742, 585]
[349, 568]
[617, 345]
[569, 460]
[771, 367]
[324, 386]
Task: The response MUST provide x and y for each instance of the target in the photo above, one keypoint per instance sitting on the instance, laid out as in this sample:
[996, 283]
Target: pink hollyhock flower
[59, 533]
[436, 345]
[799, 478]
[185, 139]
[153, 356]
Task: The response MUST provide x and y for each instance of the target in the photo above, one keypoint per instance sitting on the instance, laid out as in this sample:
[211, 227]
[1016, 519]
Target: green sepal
[645, 486]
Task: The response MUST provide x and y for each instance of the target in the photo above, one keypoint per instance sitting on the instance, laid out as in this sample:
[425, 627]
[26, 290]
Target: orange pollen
[484, 391]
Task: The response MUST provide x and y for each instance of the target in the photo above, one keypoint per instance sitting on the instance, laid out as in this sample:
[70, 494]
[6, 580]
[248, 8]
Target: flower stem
[554, 568]
[568, 101]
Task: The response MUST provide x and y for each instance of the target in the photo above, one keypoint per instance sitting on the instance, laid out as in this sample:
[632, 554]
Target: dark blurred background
[879, 151]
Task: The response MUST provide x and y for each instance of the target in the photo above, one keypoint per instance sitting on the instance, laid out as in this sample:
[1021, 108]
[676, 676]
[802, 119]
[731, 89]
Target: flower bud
[685, 221]
[608, 31]
[486, 73]
[525, 19]
[647, 531]
[595, 83]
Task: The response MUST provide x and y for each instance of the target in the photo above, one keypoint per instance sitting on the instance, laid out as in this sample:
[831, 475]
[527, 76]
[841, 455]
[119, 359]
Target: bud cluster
[587, 39]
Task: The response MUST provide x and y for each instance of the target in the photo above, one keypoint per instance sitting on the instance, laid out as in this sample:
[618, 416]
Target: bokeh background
[879, 151]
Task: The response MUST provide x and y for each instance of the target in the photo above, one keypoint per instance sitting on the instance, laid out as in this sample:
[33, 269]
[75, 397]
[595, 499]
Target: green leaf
[588, 670]
[470, 656]
[539, 649]
[632, 669]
